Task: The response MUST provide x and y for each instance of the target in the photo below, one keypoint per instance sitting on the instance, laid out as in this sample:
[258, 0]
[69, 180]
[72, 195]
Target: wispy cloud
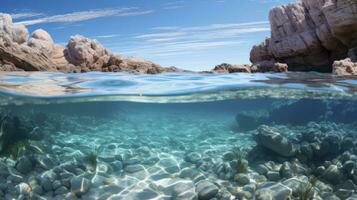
[171, 41]
[208, 32]
[86, 15]
[23, 15]
[107, 36]
[173, 5]
[168, 28]
[273, 1]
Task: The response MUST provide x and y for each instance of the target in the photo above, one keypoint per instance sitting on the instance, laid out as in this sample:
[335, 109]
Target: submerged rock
[271, 139]
[24, 165]
[275, 191]
[242, 179]
[206, 190]
[23, 189]
[79, 185]
[193, 157]
[184, 190]
[332, 174]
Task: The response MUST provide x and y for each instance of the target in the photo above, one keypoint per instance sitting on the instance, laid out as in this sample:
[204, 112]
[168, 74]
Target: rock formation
[274, 141]
[266, 66]
[228, 68]
[347, 66]
[18, 52]
[309, 35]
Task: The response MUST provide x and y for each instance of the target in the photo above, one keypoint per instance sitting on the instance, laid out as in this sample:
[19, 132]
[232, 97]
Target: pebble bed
[179, 156]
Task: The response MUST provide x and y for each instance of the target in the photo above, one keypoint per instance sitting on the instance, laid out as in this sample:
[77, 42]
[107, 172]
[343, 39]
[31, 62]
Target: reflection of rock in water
[251, 120]
[301, 112]
[342, 111]
[297, 113]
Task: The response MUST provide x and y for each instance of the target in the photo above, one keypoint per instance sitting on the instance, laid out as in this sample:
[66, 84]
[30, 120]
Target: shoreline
[314, 40]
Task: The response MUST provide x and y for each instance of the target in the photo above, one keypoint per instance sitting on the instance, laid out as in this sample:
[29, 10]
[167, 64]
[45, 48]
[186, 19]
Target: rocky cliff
[38, 52]
[311, 35]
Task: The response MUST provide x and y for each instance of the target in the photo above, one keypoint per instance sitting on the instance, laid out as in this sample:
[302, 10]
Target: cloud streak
[171, 41]
[86, 15]
[23, 15]
[208, 32]
[107, 36]
[173, 5]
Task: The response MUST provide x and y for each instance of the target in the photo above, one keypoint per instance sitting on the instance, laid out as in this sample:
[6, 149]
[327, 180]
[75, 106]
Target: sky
[190, 34]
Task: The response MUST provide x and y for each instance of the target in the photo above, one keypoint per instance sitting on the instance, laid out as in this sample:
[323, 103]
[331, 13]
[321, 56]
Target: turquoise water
[171, 136]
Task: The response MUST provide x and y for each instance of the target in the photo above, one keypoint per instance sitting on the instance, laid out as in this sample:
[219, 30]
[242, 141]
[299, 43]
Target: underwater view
[177, 136]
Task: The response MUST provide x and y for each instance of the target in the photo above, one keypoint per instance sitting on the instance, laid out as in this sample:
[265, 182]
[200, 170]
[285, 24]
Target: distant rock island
[309, 35]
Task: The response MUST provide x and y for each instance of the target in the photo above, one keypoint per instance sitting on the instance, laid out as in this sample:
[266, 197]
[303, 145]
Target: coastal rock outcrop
[15, 54]
[228, 68]
[18, 52]
[309, 34]
[265, 66]
[86, 53]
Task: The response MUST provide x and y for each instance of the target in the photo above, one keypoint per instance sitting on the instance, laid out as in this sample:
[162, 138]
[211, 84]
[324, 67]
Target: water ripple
[168, 87]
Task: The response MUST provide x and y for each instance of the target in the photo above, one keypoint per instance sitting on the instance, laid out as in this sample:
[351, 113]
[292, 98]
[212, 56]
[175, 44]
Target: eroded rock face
[310, 34]
[17, 33]
[18, 52]
[15, 54]
[42, 41]
[87, 53]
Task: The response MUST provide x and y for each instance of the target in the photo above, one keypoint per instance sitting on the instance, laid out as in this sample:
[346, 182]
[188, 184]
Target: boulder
[344, 67]
[206, 190]
[23, 189]
[309, 34]
[87, 53]
[79, 185]
[24, 165]
[332, 174]
[271, 139]
[41, 41]
[276, 191]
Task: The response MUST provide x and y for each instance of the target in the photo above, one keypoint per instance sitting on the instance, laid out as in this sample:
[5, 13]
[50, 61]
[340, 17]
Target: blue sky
[191, 34]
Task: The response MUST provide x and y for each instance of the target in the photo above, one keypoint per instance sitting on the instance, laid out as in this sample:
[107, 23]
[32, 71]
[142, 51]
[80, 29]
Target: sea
[165, 136]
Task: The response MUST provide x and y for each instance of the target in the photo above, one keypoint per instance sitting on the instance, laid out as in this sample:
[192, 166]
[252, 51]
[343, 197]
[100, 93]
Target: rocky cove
[71, 128]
